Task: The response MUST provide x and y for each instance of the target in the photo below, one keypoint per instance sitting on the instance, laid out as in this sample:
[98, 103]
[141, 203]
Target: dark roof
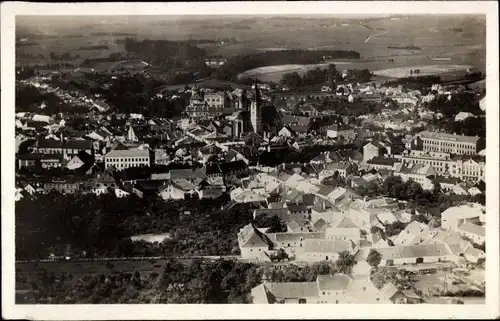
[447, 180]
[326, 190]
[79, 144]
[32, 156]
[233, 166]
[212, 168]
[302, 129]
[148, 185]
[85, 157]
[379, 160]
[49, 143]
[308, 199]
[350, 153]
[292, 207]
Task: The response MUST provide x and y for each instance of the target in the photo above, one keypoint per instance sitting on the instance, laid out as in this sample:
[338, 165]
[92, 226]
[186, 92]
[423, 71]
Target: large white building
[463, 168]
[122, 159]
[448, 143]
[418, 172]
[466, 220]
[332, 289]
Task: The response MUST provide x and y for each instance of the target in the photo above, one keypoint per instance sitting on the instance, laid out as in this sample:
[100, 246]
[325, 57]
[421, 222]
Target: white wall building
[122, 159]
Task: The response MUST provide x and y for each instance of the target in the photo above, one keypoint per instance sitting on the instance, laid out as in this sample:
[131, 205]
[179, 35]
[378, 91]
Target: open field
[74, 46]
[433, 34]
[151, 238]
[425, 70]
[274, 73]
[89, 267]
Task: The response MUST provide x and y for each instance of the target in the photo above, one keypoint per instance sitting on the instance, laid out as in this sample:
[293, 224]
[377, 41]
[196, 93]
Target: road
[377, 34]
[135, 258]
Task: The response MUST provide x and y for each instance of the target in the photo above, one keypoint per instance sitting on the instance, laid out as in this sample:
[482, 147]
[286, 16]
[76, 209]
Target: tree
[345, 262]
[374, 258]
[273, 223]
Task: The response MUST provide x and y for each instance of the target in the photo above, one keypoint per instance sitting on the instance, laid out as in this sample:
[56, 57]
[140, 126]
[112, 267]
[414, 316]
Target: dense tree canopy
[102, 225]
[434, 201]
[166, 281]
[272, 222]
[374, 258]
[345, 262]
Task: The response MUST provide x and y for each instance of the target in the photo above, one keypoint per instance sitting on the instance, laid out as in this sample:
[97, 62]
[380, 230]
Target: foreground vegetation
[95, 226]
[187, 281]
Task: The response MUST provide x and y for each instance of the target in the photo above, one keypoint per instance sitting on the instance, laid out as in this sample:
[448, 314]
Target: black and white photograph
[321, 156]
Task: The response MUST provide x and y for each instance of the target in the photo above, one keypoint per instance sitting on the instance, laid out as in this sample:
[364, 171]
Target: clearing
[426, 70]
[151, 238]
[456, 282]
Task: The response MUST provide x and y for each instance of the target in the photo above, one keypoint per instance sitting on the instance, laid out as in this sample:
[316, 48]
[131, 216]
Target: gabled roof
[326, 190]
[472, 228]
[320, 225]
[336, 282]
[379, 160]
[212, 168]
[346, 223]
[388, 291]
[327, 246]
[250, 236]
[294, 207]
[292, 290]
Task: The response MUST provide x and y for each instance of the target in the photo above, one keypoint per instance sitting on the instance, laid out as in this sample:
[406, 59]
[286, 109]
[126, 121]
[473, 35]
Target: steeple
[256, 111]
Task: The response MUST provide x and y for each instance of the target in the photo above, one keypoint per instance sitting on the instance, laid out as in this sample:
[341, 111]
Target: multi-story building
[70, 147]
[122, 159]
[333, 289]
[375, 149]
[336, 131]
[418, 172]
[219, 100]
[464, 168]
[447, 143]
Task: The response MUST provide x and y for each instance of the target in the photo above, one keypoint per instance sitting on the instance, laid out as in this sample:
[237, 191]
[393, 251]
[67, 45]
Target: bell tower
[256, 111]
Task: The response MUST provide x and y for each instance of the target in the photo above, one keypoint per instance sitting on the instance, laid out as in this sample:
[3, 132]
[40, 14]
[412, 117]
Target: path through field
[377, 34]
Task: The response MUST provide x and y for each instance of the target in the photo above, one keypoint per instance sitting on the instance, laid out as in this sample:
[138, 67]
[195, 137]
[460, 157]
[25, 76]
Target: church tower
[256, 112]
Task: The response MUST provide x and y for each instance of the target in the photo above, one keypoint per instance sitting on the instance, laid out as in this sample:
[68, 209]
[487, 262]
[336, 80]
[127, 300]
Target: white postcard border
[150, 311]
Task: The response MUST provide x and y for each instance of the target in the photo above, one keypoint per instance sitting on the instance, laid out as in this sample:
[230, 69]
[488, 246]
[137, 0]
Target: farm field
[257, 34]
[425, 70]
[74, 45]
[274, 73]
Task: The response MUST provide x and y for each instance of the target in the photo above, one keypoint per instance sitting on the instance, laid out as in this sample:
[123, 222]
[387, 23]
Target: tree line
[175, 281]
[238, 64]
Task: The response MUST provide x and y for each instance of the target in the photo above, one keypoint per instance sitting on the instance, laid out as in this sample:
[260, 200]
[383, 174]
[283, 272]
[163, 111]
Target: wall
[252, 252]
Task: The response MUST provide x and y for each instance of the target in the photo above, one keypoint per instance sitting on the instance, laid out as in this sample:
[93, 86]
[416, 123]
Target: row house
[122, 159]
[470, 169]
[448, 143]
[417, 172]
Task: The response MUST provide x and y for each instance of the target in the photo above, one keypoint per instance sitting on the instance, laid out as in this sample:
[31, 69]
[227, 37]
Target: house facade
[122, 159]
